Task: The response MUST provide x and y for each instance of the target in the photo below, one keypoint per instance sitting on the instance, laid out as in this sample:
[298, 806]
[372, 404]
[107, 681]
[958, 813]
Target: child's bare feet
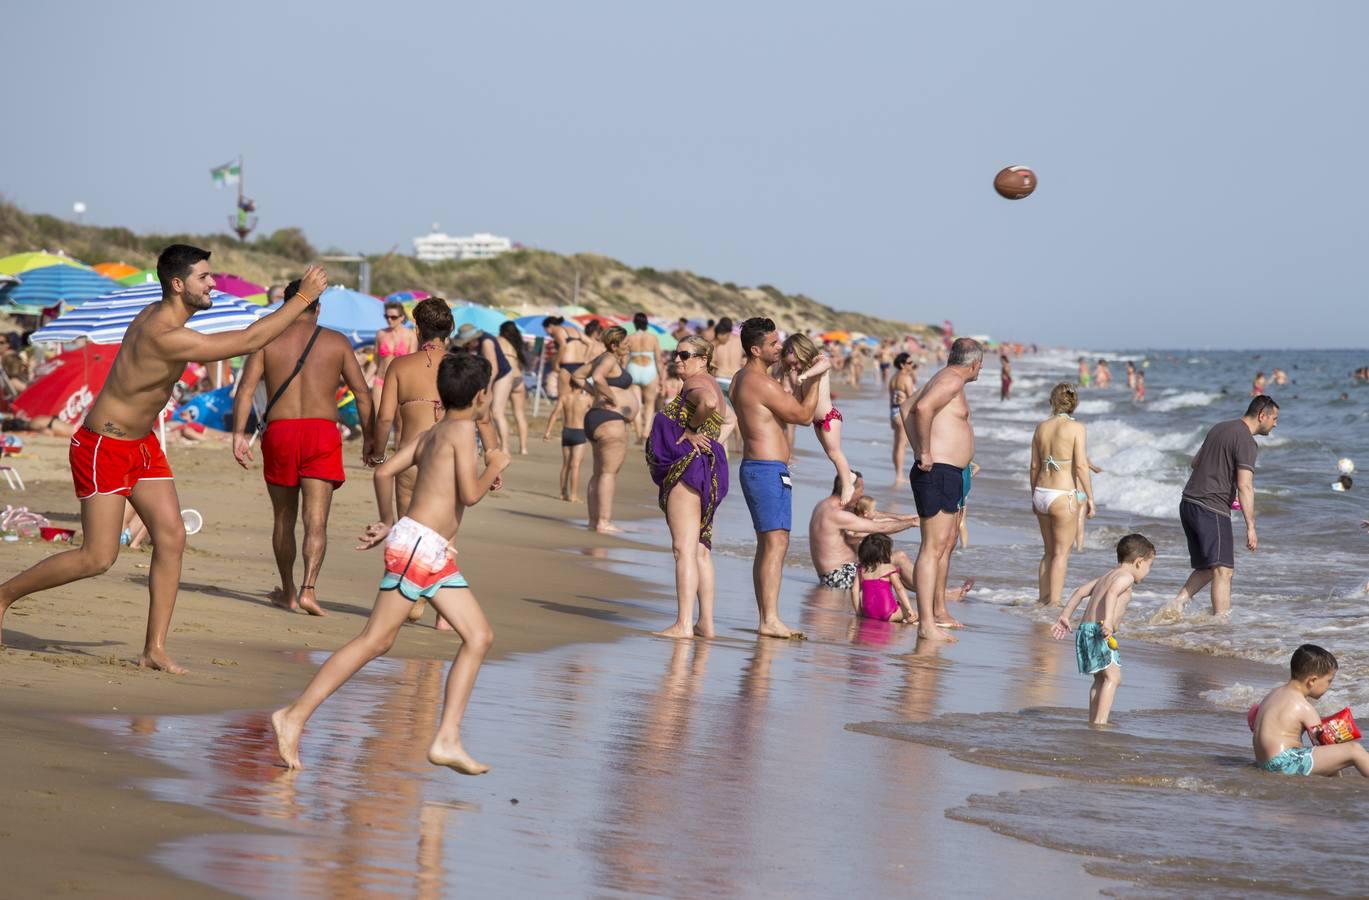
[157, 659]
[454, 756]
[287, 738]
[282, 598]
[308, 601]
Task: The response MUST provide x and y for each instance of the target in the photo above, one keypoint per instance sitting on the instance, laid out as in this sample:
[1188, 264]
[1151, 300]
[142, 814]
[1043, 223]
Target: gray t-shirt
[1227, 447]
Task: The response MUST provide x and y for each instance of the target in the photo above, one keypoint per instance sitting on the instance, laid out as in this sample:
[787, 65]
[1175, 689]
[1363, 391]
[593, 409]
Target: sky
[1200, 164]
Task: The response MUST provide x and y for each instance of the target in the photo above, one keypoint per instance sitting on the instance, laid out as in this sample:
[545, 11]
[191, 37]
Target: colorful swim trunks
[841, 578]
[417, 563]
[292, 449]
[1091, 649]
[1293, 761]
[101, 464]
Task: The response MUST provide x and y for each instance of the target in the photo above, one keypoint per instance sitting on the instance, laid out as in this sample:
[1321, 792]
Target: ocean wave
[1182, 400]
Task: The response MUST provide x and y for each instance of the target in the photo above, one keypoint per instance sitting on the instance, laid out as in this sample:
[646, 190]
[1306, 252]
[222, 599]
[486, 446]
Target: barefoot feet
[777, 629]
[935, 633]
[157, 659]
[283, 598]
[287, 738]
[454, 756]
[964, 590]
[677, 631]
[308, 601]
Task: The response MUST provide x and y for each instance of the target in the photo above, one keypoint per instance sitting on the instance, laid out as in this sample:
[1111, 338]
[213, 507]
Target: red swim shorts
[292, 449]
[101, 464]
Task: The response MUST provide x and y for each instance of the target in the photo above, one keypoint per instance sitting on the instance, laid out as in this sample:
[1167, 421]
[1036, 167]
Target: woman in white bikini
[644, 365]
[1060, 478]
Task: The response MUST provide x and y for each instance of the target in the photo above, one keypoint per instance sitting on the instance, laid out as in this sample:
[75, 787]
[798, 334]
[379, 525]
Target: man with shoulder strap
[115, 456]
[301, 449]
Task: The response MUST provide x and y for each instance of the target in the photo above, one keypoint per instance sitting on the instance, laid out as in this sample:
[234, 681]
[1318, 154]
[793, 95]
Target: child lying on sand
[1286, 713]
[1094, 647]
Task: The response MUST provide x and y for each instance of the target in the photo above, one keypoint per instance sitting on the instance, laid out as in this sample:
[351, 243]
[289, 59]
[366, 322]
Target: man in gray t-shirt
[1223, 470]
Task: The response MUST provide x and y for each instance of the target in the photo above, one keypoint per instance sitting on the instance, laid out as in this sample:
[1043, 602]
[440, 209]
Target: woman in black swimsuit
[606, 424]
[501, 376]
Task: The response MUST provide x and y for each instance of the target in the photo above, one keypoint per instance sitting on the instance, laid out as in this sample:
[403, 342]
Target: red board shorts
[292, 449]
[101, 464]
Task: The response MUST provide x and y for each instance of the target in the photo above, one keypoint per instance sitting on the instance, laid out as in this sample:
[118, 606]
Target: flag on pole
[226, 174]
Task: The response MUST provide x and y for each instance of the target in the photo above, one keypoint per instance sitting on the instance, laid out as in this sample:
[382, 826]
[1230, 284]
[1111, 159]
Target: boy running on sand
[1286, 713]
[1094, 648]
[420, 563]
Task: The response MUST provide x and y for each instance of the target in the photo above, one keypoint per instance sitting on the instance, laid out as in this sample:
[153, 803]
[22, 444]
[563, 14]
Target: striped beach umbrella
[51, 285]
[146, 276]
[105, 319]
[116, 270]
[20, 263]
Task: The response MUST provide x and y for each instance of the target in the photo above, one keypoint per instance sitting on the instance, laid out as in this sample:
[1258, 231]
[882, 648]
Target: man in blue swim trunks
[1287, 712]
[763, 410]
[938, 428]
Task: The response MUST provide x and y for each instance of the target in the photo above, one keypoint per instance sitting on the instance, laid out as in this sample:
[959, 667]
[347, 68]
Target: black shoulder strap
[261, 425]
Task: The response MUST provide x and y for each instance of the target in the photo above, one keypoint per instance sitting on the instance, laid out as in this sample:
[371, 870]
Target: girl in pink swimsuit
[878, 591]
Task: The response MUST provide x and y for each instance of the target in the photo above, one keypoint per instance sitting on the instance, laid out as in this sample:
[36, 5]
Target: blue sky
[1201, 164]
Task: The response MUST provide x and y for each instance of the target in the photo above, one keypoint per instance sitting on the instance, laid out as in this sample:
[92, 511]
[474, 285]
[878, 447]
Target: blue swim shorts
[768, 492]
[943, 489]
[1091, 650]
[1293, 761]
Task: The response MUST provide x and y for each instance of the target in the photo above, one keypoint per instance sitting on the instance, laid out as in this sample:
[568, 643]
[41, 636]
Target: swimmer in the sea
[1287, 712]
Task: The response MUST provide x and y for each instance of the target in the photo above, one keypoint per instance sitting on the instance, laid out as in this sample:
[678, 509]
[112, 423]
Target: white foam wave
[1182, 400]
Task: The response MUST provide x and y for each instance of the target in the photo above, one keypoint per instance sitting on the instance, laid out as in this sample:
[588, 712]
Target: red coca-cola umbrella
[66, 385]
[604, 321]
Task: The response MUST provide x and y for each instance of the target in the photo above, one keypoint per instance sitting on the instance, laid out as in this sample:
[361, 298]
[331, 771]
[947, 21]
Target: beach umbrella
[605, 321]
[212, 409]
[357, 315]
[105, 319]
[835, 336]
[146, 276]
[407, 297]
[116, 270]
[571, 311]
[66, 385]
[238, 287]
[51, 285]
[20, 263]
[482, 317]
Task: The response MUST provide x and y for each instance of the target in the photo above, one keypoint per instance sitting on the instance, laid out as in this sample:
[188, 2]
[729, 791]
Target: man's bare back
[313, 392]
[727, 355]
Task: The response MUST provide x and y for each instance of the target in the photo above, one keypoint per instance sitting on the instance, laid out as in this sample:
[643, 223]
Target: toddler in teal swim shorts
[1287, 712]
[1095, 649]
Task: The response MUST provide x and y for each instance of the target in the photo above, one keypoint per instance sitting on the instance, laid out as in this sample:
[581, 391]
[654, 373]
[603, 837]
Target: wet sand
[639, 765]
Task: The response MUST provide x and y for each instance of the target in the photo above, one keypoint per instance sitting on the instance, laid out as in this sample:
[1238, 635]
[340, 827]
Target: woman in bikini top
[1058, 470]
[410, 393]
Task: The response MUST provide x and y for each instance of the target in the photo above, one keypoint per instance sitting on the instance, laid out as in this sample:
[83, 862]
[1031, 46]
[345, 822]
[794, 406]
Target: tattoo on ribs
[111, 428]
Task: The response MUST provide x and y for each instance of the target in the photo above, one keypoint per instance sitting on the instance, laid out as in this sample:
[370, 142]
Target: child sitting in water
[800, 353]
[420, 563]
[1286, 713]
[877, 592]
[1095, 649]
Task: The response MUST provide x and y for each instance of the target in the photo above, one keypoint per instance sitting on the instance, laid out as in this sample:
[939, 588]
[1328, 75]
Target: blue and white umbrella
[105, 319]
[482, 317]
[49, 285]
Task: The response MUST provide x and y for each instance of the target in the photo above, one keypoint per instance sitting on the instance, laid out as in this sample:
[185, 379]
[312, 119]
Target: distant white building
[436, 247]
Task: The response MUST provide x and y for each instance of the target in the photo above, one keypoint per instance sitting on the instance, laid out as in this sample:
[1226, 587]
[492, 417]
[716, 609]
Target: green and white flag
[226, 174]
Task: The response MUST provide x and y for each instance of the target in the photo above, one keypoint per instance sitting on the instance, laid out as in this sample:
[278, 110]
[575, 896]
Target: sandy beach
[639, 765]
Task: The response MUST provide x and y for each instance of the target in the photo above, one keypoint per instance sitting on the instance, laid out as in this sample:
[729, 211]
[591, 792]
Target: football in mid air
[1015, 182]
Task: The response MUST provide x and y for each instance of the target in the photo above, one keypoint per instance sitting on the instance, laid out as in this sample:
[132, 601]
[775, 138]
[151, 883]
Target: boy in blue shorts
[1287, 712]
[1095, 648]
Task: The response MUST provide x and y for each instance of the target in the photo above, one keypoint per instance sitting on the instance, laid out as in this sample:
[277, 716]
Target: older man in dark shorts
[1223, 470]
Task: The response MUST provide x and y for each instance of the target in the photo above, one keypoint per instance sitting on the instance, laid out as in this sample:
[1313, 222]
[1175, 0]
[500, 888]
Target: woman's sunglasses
[683, 355]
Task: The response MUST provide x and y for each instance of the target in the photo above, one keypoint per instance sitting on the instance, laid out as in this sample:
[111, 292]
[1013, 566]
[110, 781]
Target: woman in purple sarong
[688, 463]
